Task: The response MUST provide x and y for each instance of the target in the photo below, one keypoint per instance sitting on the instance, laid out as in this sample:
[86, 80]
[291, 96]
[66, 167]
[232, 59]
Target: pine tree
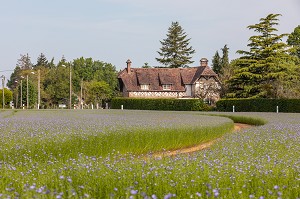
[225, 58]
[24, 62]
[41, 61]
[266, 67]
[175, 51]
[216, 63]
[294, 40]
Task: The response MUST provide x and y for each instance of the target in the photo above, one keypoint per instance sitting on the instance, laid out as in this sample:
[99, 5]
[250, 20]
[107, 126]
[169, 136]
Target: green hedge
[259, 105]
[160, 104]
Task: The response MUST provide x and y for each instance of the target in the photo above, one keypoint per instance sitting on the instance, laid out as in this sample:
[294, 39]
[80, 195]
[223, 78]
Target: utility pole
[70, 87]
[39, 89]
[3, 79]
[21, 99]
[81, 103]
[27, 98]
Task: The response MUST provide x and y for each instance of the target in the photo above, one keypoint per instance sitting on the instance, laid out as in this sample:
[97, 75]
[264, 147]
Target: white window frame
[145, 86]
[167, 87]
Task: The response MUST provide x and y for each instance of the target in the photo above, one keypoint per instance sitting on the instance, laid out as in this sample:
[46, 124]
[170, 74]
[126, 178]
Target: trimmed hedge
[160, 104]
[259, 105]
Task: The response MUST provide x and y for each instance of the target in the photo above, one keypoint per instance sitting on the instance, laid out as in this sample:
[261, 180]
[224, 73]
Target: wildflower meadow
[110, 154]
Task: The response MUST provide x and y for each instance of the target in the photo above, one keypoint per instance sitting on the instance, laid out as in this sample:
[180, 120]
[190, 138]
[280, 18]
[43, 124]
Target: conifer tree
[266, 67]
[294, 40]
[225, 57]
[175, 51]
[41, 61]
[216, 63]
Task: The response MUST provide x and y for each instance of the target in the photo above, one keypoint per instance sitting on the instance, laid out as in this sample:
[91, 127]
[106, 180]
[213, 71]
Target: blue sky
[116, 30]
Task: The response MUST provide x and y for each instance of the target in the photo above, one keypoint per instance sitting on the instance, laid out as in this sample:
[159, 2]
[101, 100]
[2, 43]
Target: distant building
[195, 82]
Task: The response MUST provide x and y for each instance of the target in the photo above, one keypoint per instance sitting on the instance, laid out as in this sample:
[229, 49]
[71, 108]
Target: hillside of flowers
[56, 154]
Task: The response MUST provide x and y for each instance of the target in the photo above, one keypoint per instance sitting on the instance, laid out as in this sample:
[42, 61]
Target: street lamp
[70, 100]
[21, 92]
[27, 91]
[3, 79]
[39, 89]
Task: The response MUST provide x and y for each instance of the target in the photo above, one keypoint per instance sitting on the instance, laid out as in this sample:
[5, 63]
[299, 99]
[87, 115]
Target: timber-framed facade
[194, 82]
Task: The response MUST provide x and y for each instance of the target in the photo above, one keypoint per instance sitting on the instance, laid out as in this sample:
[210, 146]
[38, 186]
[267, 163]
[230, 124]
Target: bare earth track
[237, 127]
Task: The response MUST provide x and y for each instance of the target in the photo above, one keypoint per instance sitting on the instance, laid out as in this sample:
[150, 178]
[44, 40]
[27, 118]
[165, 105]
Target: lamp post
[27, 101]
[70, 88]
[3, 79]
[70, 99]
[39, 89]
[21, 99]
[27, 91]
[81, 103]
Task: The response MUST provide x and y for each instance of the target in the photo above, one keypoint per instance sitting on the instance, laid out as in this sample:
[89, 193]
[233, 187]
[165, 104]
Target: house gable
[163, 82]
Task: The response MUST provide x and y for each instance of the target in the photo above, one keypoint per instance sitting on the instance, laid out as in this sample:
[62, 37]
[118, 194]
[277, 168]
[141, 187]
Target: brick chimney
[128, 62]
[203, 62]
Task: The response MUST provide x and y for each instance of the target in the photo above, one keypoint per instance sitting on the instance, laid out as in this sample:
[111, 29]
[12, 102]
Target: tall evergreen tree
[294, 40]
[175, 51]
[24, 62]
[216, 63]
[265, 68]
[225, 57]
[41, 61]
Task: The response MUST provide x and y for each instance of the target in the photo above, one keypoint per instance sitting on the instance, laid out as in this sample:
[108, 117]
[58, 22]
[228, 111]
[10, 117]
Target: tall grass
[113, 137]
[260, 162]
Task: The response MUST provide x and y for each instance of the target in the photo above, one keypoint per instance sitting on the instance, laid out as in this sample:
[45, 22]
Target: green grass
[45, 157]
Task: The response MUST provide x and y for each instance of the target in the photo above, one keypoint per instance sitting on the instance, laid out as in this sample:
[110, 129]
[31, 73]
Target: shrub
[160, 104]
[259, 105]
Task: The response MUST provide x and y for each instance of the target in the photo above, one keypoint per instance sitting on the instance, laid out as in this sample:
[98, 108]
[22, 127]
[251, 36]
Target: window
[145, 86]
[166, 86]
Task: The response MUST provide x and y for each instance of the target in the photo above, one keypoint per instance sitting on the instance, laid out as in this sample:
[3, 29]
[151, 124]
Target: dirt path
[237, 127]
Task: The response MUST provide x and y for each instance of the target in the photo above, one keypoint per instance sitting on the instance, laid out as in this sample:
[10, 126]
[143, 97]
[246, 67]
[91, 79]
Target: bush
[259, 105]
[160, 104]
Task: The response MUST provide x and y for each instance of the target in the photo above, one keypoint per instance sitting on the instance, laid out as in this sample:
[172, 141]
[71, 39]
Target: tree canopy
[267, 68]
[175, 51]
[294, 40]
[55, 81]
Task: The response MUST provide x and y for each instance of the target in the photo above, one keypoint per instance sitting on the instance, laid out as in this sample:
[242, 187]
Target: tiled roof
[156, 77]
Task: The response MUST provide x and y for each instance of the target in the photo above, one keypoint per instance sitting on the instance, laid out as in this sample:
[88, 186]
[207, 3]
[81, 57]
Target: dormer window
[166, 86]
[144, 86]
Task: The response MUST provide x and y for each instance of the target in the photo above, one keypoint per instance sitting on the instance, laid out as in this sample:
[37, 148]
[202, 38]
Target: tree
[263, 69]
[56, 85]
[146, 65]
[294, 40]
[97, 92]
[24, 62]
[225, 58]
[216, 63]
[175, 51]
[8, 96]
[41, 61]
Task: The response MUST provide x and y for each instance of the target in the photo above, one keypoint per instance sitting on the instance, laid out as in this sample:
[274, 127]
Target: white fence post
[233, 109]
[121, 107]
[277, 109]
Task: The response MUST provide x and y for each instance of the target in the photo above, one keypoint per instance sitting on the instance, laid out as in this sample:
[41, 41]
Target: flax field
[110, 154]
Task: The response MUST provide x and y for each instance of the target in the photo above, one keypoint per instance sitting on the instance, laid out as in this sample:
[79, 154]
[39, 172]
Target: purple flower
[133, 192]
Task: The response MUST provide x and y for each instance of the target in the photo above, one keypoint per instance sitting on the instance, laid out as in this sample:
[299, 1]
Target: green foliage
[57, 86]
[175, 51]
[259, 105]
[294, 40]
[8, 96]
[55, 79]
[225, 58]
[41, 61]
[264, 70]
[216, 63]
[160, 104]
[97, 92]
